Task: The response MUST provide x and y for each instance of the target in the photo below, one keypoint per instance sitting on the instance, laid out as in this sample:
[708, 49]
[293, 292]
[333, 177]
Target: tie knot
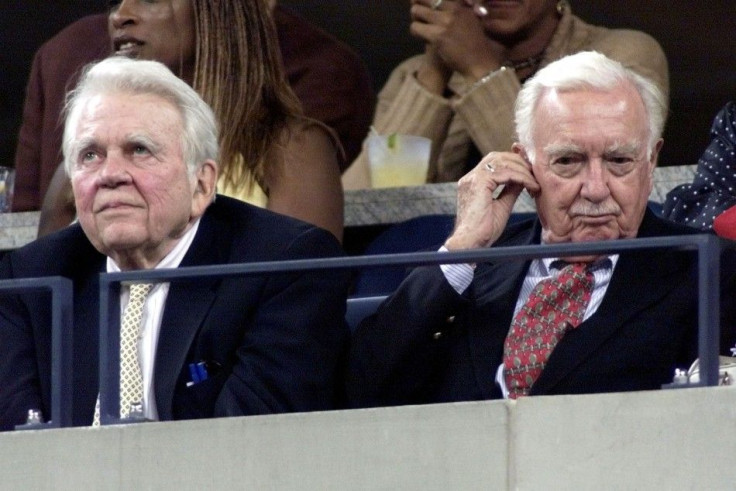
[565, 266]
[578, 273]
[577, 269]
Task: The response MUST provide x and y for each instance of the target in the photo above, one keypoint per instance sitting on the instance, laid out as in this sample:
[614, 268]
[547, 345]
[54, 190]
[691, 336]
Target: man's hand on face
[486, 197]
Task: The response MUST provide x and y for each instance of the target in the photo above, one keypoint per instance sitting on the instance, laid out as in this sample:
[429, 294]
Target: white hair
[586, 70]
[118, 74]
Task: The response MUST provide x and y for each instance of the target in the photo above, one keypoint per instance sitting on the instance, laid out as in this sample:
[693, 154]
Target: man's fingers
[504, 168]
[508, 196]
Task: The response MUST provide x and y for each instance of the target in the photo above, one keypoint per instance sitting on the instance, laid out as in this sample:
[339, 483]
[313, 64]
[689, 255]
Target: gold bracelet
[485, 78]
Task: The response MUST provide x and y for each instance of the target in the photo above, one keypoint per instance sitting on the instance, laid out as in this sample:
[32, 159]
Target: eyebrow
[81, 145]
[557, 149]
[144, 140]
[624, 148]
[88, 142]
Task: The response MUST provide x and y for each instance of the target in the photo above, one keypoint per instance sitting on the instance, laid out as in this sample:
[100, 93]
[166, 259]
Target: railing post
[62, 340]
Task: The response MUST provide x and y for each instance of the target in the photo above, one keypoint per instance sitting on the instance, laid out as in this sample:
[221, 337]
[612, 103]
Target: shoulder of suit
[520, 232]
[239, 216]
[50, 254]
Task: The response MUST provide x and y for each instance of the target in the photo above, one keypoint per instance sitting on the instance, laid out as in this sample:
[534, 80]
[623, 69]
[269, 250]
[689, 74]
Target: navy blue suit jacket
[276, 340]
[428, 344]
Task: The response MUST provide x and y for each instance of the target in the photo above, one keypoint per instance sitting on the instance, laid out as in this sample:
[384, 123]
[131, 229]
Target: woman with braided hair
[270, 153]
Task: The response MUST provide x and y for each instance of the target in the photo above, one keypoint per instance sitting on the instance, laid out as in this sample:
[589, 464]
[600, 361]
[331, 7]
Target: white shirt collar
[173, 258]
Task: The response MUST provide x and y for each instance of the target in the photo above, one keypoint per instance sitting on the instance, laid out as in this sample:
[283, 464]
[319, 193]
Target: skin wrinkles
[590, 174]
[592, 164]
[134, 194]
[89, 144]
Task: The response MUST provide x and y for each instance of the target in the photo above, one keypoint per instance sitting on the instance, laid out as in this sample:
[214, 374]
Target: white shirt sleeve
[459, 276]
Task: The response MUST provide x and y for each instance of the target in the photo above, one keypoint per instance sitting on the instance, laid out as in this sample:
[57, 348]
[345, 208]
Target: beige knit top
[484, 116]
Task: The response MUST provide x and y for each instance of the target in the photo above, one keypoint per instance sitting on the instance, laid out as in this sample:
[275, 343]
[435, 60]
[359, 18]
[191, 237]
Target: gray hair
[119, 74]
[586, 70]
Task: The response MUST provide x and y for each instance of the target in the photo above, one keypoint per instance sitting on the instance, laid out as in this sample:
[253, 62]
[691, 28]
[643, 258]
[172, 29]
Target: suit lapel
[629, 293]
[187, 305]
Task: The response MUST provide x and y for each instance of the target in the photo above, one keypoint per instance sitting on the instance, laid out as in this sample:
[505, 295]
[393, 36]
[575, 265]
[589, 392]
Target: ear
[519, 149]
[655, 155]
[205, 182]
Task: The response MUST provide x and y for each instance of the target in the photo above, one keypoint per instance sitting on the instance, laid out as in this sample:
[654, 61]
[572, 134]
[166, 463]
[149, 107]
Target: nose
[114, 171]
[595, 186]
[123, 13]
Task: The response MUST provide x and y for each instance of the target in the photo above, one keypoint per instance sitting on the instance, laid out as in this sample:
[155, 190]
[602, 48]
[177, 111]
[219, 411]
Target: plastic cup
[398, 160]
[7, 185]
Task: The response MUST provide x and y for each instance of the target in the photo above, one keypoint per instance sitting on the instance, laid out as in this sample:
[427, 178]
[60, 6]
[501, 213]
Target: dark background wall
[698, 38]
[24, 26]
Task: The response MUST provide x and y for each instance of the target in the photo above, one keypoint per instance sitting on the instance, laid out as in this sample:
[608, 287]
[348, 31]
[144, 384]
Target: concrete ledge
[670, 439]
[392, 205]
[461, 446]
[674, 439]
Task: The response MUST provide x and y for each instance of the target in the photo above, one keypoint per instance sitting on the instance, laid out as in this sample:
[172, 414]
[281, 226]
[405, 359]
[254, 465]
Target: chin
[595, 236]
[121, 239]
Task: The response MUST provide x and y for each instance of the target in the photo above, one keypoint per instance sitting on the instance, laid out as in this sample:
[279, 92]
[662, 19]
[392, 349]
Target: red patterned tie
[555, 305]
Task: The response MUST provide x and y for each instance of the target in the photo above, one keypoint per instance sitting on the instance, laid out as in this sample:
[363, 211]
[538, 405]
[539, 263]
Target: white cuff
[459, 276]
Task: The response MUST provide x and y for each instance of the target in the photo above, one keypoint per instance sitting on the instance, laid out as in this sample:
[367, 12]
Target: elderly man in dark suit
[589, 135]
[141, 149]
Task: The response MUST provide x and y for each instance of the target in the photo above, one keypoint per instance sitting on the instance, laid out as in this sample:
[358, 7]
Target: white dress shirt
[460, 276]
[153, 311]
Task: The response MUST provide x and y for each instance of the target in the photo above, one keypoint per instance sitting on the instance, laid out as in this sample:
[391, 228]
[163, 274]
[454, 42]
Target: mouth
[114, 206]
[596, 219]
[127, 46]
[500, 3]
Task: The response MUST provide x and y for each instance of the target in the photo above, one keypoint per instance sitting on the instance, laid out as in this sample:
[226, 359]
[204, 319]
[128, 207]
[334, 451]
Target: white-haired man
[589, 132]
[141, 150]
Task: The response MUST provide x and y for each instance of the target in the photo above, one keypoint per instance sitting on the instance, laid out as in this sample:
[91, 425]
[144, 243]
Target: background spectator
[460, 92]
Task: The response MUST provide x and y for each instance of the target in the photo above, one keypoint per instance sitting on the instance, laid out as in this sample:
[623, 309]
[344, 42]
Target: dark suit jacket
[328, 77]
[426, 343]
[277, 339]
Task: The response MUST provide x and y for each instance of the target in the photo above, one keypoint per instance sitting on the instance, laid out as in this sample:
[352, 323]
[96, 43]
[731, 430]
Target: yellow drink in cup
[398, 160]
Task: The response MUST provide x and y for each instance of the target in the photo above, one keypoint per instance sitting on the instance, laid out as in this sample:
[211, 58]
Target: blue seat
[426, 232]
[656, 207]
[423, 233]
[358, 308]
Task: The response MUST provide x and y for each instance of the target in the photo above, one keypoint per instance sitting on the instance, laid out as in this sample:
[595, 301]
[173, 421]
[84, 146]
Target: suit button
[437, 335]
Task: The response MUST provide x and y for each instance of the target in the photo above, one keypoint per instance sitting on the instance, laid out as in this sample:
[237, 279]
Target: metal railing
[707, 248]
[62, 339]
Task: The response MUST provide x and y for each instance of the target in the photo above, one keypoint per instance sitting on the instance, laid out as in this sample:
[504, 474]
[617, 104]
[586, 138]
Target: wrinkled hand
[480, 217]
[456, 37]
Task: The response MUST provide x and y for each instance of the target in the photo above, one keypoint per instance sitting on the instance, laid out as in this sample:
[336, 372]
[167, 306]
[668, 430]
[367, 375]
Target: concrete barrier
[675, 439]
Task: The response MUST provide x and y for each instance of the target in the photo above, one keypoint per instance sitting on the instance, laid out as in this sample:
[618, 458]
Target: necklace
[531, 62]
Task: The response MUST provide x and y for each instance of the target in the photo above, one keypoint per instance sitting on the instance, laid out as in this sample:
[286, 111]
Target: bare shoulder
[310, 143]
